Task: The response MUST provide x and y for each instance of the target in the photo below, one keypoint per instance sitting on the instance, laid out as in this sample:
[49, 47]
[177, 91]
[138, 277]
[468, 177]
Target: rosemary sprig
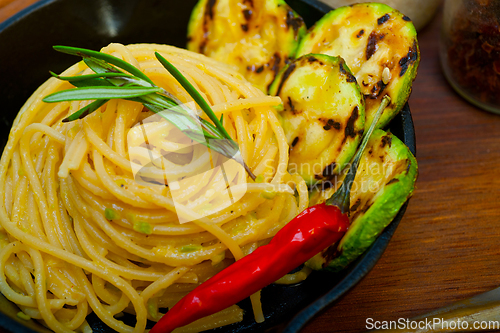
[115, 78]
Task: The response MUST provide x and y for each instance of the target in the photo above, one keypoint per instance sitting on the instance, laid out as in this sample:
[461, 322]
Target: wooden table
[447, 246]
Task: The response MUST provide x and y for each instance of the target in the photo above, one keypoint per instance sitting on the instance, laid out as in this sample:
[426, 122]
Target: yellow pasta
[80, 233]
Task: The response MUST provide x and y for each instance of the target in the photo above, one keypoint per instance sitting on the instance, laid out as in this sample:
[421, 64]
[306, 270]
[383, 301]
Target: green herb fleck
[260, 178]
[207, 207]
[239, 228]
[143, 227]
[217, 259]
[279, 107]
[23, 315]
[110, 214]
[268, 194]
[153, 308]
[190, 248]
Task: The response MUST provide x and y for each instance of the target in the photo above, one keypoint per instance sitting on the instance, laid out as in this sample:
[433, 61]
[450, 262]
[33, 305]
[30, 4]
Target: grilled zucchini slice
[323, 115]
[385, 180]
[379, 44]
[257, 37]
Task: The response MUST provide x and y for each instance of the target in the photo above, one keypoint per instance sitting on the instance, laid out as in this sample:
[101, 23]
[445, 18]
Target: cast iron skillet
[26, 56]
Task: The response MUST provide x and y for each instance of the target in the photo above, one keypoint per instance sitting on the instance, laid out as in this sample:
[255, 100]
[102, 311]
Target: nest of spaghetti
[119, 212]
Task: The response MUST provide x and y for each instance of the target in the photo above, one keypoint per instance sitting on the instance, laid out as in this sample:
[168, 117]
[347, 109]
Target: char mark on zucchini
[371, 46]
[312, 59]
[377, 89]
[285, 76]
[409, 59]
[293, 21]
[350, 127]
[393, 180]
[334, 124]
[386, 140]
[342, 68]
[365, 209]
[355, 206]
[383, 19]
[276, 65]
[209, 16]
[247, 14]
[210, 9]
[329, 171]
[408, 166]
[330, 123]
[292, 107]
[331, 252]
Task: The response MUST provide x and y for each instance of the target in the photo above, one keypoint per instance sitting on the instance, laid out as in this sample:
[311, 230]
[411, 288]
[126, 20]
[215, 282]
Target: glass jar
[470, 50]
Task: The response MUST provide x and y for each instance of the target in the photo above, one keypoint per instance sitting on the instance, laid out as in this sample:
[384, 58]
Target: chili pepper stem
[341, 198]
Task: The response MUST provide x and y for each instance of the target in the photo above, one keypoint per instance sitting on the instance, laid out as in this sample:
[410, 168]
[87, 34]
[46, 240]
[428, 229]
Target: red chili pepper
[310, 232]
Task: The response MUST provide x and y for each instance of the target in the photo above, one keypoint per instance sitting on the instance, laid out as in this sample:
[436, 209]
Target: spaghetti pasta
[80, 234]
